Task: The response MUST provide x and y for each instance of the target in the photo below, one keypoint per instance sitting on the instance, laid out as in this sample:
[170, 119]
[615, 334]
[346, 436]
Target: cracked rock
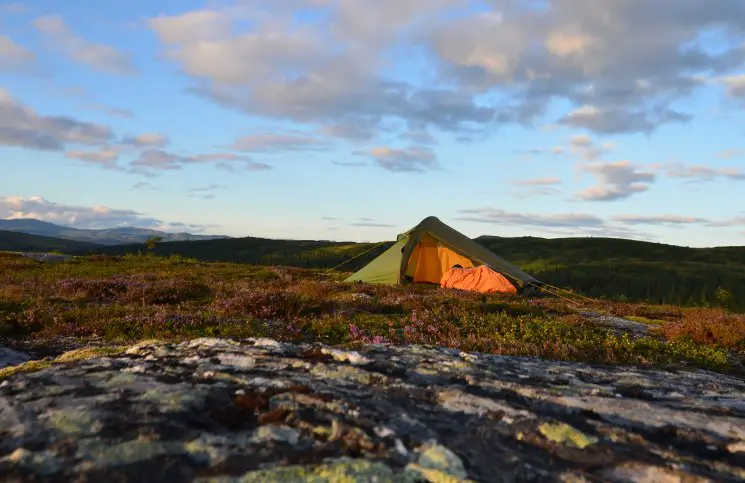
[213, 410]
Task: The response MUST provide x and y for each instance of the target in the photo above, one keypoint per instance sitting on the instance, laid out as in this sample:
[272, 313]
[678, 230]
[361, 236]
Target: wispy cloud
[97, 56]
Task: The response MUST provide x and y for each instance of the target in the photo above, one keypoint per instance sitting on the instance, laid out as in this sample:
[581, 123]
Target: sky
[355, 119]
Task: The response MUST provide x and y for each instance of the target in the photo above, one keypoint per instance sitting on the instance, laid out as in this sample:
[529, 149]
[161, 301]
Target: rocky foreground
[262, 411]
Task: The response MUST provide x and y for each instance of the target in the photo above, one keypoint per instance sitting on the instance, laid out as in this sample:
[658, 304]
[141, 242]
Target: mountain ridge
[105, 236]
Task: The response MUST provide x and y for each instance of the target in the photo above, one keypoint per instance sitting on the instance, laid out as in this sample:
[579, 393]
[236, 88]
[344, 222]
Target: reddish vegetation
[139, 297]
[709, 326]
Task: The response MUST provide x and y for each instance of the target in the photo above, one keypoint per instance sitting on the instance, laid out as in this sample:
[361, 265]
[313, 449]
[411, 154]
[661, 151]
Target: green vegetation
[597, 267]
[22, 242]
[135, 297]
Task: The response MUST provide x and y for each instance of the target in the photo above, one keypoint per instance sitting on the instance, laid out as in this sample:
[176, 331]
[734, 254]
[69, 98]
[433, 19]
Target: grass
[131, 298]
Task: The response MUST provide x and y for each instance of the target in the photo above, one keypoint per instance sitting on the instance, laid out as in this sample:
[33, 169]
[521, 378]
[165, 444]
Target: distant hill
[23, 242]
[108, 236]
[596, 266]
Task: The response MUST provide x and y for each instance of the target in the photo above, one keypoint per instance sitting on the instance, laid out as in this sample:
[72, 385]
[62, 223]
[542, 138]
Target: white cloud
[205, 192]
[150, 161]
[735, 85]
[100, 57]
[585, 147]
[502, 217]
[659, 220]
[155, 140]
[730, 153]
[14, 56]
[16, 207]
[330, 63]
[621, 120]
[618, 180]
[538, 182]
[21, 126]
[143, 185]
[111, 111]
[701, 173]
[402, 160]
[278, 142]
[106, 156]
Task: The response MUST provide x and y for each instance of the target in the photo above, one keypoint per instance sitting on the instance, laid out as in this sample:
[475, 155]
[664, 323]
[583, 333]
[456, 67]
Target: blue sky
[353, 120]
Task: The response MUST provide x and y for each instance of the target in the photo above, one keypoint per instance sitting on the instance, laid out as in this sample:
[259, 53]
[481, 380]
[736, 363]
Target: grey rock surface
[259, 410]
[10, 357]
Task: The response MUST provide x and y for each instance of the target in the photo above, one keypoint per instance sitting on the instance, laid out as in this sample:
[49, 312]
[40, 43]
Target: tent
[427, 251]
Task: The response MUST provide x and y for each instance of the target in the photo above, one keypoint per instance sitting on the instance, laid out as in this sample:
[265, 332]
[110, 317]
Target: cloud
[92, 217]
[272, 142]
[735, 85]
[538, 182]
[730, 154]
[351, 130]
[153, 160]
[585, 147]
[13, 8]
[419, 137]
[502, 62]
[371, 224]
[618, 180]
[157, 159]
[501, 217]
[531, 152]
[579, 51]
[737, 221]
[621, 121]
[205, 192]
[702, 173]
[105, 156]
[143, 185]
[21, 126]
[349, 164]
[658, 220]
[402, 160]
[147, 140]
[100, 57]
[14, 57]
[287, 70]
[111, 111]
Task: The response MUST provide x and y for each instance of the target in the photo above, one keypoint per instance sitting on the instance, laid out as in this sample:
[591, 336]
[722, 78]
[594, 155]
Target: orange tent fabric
[479, 279]
[430, 261]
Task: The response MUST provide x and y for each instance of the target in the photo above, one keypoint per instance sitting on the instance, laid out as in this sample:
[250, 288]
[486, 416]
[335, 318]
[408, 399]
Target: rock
[9, 357]
[260, 410]
[563, 433]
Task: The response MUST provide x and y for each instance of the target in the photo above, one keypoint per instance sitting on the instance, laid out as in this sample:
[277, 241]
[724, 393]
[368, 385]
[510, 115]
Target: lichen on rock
[261, 410]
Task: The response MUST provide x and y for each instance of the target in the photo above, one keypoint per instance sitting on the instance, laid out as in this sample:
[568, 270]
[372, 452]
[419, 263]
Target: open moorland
[47, 308]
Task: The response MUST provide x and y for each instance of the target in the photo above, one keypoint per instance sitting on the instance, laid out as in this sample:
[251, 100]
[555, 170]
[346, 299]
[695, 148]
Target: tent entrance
[430, 260]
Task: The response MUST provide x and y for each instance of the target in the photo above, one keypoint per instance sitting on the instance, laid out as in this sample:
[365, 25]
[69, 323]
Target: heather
[123, 299]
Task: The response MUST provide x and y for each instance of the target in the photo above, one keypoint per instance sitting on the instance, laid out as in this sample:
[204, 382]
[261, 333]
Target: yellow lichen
[29, 366]
[341, 471]
[88, 353]
[563, 433]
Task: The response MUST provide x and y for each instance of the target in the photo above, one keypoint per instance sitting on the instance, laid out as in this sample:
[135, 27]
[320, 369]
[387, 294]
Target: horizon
[386, 240]
[353, 121]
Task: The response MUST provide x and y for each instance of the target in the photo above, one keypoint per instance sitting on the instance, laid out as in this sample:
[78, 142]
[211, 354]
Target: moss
[89, 353]
[29, 366]
[70, 356]
[564, 433]
[339, 471]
